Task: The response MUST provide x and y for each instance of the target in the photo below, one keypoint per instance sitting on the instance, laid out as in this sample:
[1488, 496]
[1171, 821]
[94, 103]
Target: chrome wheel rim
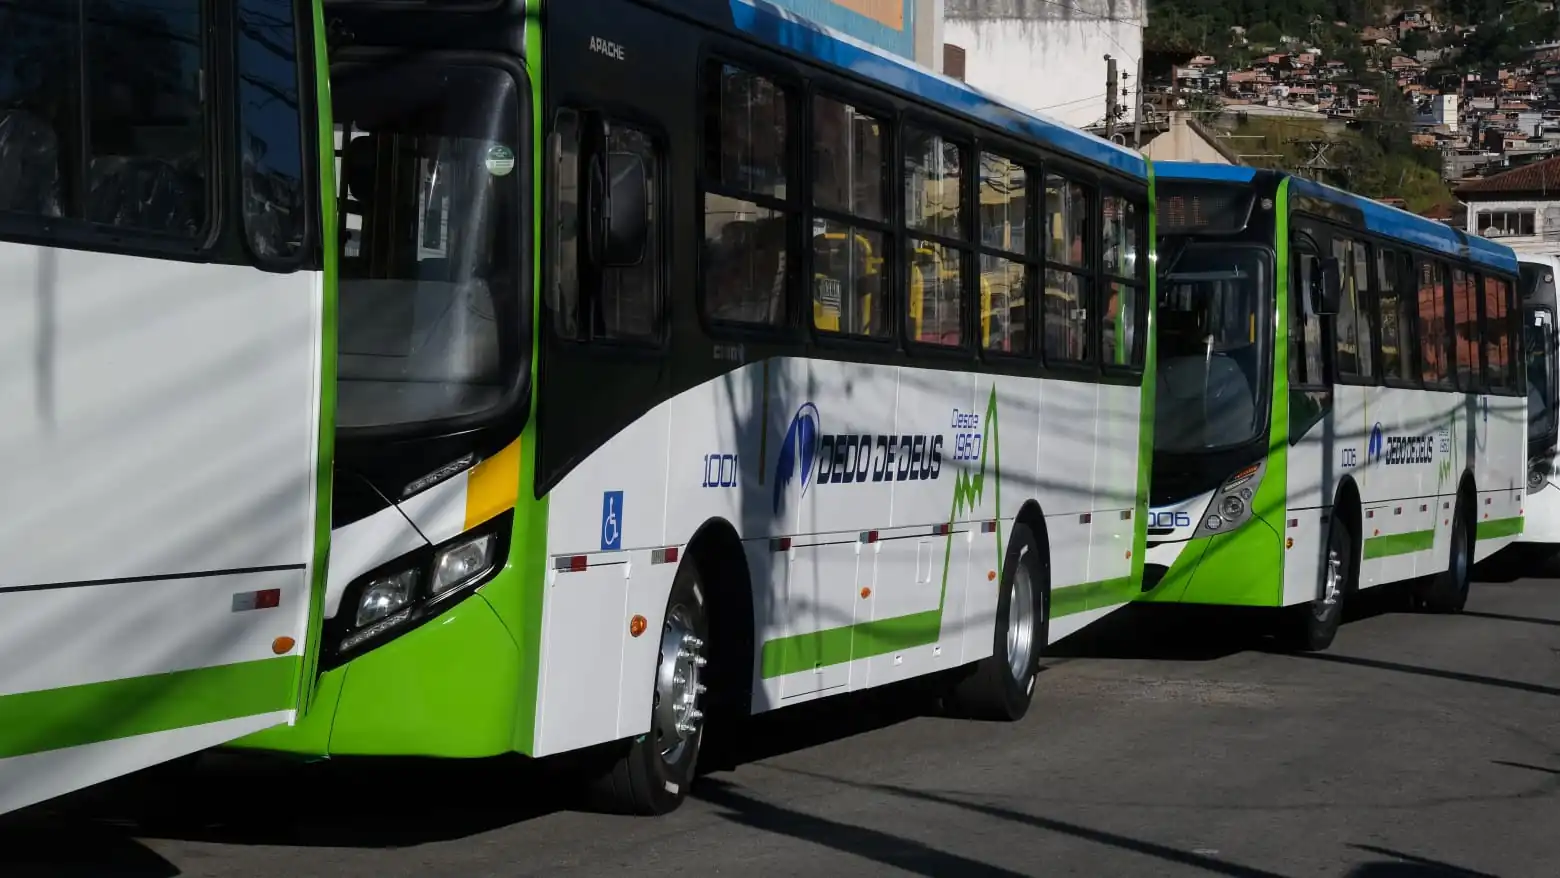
[1332, 583]
[678, 685]
[1021, 624]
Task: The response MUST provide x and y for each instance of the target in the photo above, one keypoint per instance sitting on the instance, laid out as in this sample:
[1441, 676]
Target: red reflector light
[941, 529]
[987, 527]
[664, 556]
[780, 544]
[869, 536]
[268, 598]
[575, 563]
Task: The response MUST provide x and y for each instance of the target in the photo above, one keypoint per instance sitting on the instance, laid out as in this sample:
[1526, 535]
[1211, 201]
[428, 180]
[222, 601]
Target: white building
[1519, 207]
[1049, 55]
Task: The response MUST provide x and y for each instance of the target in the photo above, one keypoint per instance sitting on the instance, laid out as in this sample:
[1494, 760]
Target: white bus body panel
[718, 452]
[161, 425]
[1406, 452]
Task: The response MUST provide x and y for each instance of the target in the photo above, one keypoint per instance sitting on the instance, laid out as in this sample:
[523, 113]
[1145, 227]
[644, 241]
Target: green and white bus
[674, 342]
[166, 382]
[1340, 404]
[665, 363]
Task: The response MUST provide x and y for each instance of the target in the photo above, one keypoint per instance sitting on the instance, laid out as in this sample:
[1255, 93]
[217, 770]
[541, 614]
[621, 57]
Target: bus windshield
[430, 270]
[1211, 348]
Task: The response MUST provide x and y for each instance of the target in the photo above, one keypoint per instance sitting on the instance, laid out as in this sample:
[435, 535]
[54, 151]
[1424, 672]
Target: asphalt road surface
[1416, 746]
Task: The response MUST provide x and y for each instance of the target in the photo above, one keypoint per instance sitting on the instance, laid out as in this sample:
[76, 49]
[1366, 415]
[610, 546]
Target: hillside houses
[1482, 121]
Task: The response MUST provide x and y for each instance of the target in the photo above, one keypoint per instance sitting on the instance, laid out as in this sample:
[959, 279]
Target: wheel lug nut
[700, 661]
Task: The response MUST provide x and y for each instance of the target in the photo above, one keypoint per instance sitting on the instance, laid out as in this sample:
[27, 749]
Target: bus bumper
[446, 689]
[1243, 568]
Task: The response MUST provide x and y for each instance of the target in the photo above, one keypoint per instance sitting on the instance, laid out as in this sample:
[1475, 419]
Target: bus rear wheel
[1001, 686]
[1311, 626]
[652, 773]
[1447, 591]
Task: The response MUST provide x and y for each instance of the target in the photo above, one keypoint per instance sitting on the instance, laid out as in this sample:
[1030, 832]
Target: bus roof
[771, 24]
[1372, 215]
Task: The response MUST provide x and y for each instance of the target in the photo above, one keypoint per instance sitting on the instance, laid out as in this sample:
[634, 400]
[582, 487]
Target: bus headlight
[1231, 504]
[389, 601]
[385, 596]
[461, 563]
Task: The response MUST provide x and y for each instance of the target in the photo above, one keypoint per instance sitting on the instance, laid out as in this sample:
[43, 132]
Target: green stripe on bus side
[1399, 544]
[73, 716]
[1500, 527]
[326, 449]
[530, 535]
[836, 646]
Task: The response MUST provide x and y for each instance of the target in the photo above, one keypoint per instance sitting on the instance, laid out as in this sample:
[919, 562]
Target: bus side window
[1354, 327]
[271, 145]
[1497, 333]
[127, 147]
[626, 302]
[850, 199]
[1465, 330]
[1305, 328]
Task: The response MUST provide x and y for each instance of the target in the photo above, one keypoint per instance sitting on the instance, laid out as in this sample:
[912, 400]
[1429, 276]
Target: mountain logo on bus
[798, 452]
[1373, 451]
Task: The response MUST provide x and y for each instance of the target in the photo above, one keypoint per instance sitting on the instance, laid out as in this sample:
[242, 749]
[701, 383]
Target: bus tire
[1311, 626]
[1001, 686]
[1447, 591]
[651, 774]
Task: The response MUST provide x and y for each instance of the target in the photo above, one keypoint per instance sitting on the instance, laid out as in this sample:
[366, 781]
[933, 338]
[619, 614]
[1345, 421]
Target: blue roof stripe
[1395, 223]
[1204, 172]
[780, 27]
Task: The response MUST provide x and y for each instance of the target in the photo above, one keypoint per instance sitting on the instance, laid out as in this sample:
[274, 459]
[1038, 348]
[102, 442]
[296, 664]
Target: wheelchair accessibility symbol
[611, 521]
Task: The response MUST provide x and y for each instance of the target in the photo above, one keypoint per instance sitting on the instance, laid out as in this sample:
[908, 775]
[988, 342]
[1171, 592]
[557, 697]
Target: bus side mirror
[627, 209]
[1326, 286]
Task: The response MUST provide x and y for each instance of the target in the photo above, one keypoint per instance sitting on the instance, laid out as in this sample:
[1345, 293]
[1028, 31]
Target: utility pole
[1137, 107]
[1111, 102]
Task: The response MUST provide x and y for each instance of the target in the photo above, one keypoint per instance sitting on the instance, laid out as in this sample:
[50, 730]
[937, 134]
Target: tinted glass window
[1004, 204]
[139, 118]
[746, 230]
[934, 183]
[146, 121]
[1431, 324]
[271, 139]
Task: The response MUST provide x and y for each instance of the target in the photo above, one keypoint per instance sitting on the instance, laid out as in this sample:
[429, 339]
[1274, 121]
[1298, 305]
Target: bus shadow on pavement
[35, 848]
[1407, 866]
[237, 799]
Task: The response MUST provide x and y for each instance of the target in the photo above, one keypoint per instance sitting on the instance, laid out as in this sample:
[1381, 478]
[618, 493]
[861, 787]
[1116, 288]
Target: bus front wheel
[1311, 626]
[651, 773]
[1001, 686]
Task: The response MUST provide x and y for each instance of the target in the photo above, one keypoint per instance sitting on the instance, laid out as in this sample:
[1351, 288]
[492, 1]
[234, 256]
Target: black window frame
[1367, 308]
[790, 328]
[1138, 360]
[585, 324]
[1449, 383]
[218, 40]
[887, 227]
[1090, 270]
[963, 136]
[1030, 257]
